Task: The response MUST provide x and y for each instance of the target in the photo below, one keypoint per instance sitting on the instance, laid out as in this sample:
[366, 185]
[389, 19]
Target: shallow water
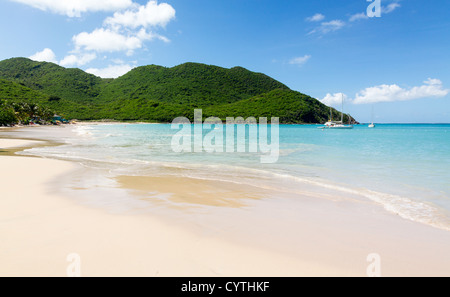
[406, 168]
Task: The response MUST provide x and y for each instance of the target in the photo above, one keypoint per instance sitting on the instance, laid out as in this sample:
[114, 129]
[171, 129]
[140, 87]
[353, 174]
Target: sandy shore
[17, 143]
[39, 230]
[40, 227]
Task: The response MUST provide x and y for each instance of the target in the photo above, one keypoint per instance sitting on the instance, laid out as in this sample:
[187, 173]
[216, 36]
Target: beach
[205, 228]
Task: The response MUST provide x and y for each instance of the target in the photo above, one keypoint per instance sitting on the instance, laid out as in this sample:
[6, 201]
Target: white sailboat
[372, 125]
[337, 125]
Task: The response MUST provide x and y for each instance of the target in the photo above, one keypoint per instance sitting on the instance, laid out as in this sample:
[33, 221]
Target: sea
[404, 168]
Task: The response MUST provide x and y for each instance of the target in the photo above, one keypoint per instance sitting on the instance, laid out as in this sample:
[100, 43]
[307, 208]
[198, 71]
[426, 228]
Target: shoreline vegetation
[22, 113]
[40, 225]
[158, 94]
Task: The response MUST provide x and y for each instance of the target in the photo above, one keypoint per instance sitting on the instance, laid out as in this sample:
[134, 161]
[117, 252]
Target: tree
[22, 112]
[7, 114]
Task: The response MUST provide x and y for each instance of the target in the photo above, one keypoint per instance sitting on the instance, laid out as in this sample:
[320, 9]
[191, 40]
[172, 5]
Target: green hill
[71, 84]
[290, 106]
[157, 94]
[16, 92]
[192, 84]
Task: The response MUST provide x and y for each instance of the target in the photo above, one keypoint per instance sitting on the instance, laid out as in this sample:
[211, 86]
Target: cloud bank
[106, 40]
[112, 71]
[391, 93]
[78, 60]
[74, 8]
[432, 88]
[334, 99]
[128, 30]
[47, 55]
[150, 15]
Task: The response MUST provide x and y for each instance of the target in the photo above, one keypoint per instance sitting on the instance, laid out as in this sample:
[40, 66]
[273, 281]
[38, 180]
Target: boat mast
[342, 113]
[372, 114]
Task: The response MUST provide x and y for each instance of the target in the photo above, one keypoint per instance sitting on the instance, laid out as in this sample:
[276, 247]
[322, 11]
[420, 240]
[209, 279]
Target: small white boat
[337, 125]
[372, 125]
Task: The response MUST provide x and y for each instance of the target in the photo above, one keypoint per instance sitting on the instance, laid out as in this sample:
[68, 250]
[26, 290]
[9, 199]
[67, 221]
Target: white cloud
[117, 61]
[300, 61]
[81, 60]
[150, 15]
[144, 35]
[127, 31]
[328, 27]
[390, 93]
[47, 55]
[74, 8]
[316, 18]
[112, 71]
[106, 40]
[109, 40]
[358, 16]
[334, 99]
[390, 8]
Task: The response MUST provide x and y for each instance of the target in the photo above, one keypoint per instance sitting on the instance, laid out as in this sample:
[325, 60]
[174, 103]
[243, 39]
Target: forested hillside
[156, 94]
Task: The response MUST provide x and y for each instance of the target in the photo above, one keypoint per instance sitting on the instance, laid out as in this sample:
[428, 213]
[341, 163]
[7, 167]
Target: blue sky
[398, 62]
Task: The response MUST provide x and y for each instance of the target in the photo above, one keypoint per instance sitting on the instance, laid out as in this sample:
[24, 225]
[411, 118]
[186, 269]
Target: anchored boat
[337, 125]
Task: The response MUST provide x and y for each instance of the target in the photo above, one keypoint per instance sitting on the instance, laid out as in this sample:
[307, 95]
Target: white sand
[39, 230]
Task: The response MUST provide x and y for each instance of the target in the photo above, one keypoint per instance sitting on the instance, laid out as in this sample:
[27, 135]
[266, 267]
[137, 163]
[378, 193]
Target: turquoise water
[405, 168]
